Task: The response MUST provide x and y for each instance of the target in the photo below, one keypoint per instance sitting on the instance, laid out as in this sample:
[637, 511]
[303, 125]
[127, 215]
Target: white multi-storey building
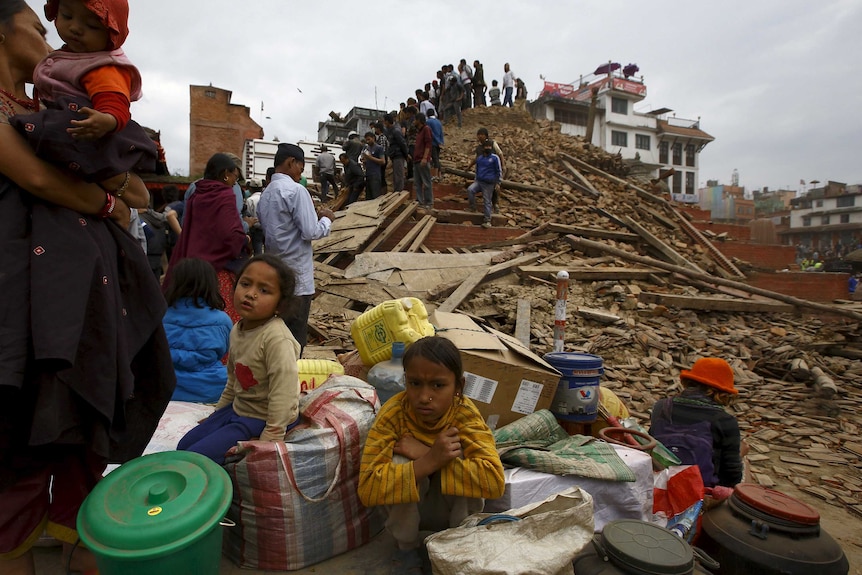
[657, 139]
[827, 216]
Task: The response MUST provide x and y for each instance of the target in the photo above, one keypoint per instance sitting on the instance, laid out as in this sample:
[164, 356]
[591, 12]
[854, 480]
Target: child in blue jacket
[488, 174]
[198, 331]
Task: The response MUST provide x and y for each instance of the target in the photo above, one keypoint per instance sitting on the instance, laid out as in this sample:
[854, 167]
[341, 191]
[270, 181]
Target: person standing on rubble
[353, 146]
[290, 223]
[479, 86]
[481, 138]
[397, 151]
[488, 174]
[373, 159]
[508, 84]
[520, 94]
[326, 168]
[422, 162]
[437, 141]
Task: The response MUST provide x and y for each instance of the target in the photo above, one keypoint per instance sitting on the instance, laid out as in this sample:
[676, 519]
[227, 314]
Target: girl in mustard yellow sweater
[429, 442]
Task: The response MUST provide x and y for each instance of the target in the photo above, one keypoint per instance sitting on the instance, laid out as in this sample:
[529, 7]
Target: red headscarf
[114, 14]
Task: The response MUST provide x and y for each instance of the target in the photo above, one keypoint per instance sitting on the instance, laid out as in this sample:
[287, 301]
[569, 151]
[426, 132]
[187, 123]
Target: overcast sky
[776, 82]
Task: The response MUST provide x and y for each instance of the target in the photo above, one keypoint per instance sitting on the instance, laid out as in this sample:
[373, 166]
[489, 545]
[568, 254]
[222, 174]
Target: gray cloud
[772, 81]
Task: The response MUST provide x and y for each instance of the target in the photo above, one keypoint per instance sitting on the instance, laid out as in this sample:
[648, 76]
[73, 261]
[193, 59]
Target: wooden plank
[576, 185]
[481, 275]
[671, 254]
[582, 244]
[464, 290]
[429, 225]
[643, 194]
[588, 184]
[710, 247]
[714, 303]
[593, 232]
[660, 218]
[522, 322]
[411, 234]
[393, 227]
[590, 274]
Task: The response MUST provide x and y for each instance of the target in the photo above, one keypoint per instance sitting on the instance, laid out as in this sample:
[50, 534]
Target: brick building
[216, 125]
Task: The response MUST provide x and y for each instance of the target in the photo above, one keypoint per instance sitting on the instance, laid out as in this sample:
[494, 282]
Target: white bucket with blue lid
[577, 396]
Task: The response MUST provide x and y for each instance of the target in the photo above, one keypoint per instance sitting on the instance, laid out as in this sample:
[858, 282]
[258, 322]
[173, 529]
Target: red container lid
[776, 504]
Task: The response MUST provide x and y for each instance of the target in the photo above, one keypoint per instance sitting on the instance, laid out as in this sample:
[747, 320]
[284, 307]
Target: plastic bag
[540, 539]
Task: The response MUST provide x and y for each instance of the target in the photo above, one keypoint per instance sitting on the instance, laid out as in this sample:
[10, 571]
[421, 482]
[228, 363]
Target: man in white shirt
[290, 223]
[326, 167]
[508, 85]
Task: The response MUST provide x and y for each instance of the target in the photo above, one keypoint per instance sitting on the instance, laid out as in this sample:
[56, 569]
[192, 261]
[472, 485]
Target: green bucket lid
[647, 548]
[154, 505]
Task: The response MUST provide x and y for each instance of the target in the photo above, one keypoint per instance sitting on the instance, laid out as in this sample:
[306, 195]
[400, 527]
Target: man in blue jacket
[436, 143]
[488, 174]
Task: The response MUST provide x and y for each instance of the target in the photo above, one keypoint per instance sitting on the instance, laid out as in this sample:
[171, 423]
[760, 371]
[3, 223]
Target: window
[824, 221]
[619, 139]
[818, 204]
[806, 221]
[677, 154]
[619, 106]
[689, 155]
[845, 201]
[570, 117]
[209, 93]
[845, 218]
[689, 182]
[662, 153]
[642, 142]
[677, 183]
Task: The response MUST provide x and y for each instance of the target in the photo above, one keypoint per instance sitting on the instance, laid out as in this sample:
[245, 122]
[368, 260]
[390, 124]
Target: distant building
[216, 125]
[826, 216]
[335, 130]
[726, 204]
[652, 141]
[768, 203]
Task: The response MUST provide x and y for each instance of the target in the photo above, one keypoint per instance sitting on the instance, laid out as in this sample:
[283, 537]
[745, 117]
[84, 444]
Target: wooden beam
[715, 303]
[710, 247]
[660, 218]
[592, 274]
[522, 322]
[417, 243]
[671, 254]
[411, 234]
[409, 209]
[583, 244]
[588, 184]
[516, 241]
[463, 291]
[473, 280]
[643, 194]
[576, 185]
[593, 232]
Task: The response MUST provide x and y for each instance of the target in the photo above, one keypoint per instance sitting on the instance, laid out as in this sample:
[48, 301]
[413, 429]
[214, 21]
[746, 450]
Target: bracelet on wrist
[110, 204]
[118, 193]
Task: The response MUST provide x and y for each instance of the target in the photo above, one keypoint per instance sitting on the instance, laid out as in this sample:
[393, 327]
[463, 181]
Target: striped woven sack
[295, 501]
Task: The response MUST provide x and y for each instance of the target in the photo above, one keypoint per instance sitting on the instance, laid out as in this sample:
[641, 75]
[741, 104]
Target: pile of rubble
[648, 293]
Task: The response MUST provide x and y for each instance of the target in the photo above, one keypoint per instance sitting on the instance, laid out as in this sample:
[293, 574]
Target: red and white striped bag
[295, 502]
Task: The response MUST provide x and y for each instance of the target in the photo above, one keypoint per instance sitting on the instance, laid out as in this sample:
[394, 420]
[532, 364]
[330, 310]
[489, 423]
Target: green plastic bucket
[158, 514]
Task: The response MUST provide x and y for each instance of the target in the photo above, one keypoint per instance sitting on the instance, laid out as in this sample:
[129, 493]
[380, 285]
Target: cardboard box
[505, 380]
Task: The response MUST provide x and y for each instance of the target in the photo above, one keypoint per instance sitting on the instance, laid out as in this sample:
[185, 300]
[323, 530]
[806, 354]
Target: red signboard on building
[569, 91]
